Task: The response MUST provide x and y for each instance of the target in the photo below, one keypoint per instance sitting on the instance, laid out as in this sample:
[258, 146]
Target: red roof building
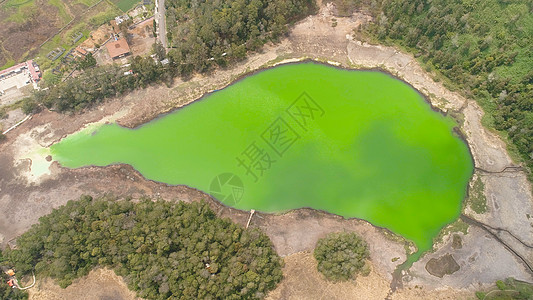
[81, 51]
[33, 69]
[118, 49]
[34, 72]
[12, 69]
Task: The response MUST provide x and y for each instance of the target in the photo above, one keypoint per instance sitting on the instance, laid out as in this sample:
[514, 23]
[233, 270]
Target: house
[81, 51]
[35, 73]
[28, 68]
[118, 49]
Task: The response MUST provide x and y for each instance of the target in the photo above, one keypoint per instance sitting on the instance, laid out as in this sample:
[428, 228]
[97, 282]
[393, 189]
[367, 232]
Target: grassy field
[126, 5]
[23, 9]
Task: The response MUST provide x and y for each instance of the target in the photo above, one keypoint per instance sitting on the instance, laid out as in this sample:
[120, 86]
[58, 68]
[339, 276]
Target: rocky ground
[498, 243]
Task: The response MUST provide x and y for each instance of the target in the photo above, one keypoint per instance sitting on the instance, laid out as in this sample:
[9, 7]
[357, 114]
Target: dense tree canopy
[341, 255]
[483, 47]
[98, 83]
[86, 62]
[162, 249]
[202, 31]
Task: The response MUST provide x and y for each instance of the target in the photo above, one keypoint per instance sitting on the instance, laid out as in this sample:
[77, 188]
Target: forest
[160, 248]
[204, 34]
[483, 48]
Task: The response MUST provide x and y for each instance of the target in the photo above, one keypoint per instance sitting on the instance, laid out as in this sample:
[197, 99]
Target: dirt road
[161, 22]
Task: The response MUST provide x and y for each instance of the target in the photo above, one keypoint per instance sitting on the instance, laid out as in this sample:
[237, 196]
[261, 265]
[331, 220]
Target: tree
[87, 62]
[341, 256]
[165, 250]
[29, 105]
[124, 30]
[159, 50]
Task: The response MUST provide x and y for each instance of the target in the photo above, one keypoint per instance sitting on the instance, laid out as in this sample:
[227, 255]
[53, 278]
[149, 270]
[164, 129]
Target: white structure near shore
[13, 79]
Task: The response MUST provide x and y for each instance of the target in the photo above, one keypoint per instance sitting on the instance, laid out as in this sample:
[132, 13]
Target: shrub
[500, 284]
[341, 255]
[29, 105]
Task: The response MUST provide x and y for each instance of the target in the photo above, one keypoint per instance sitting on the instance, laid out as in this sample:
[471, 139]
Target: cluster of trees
[341, 255]
[202, 31]
[8, 293]
[162, 249]
[96, 84]
[483, 47]
[204, 34]
[345, 8]
[86, 62]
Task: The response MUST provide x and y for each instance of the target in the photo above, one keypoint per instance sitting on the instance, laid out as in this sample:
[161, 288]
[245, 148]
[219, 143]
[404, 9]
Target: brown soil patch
[303, 281]
[420, 293]
[20, 40]
[99, 284]
[444, 265]
[98, 36]
[142, 40]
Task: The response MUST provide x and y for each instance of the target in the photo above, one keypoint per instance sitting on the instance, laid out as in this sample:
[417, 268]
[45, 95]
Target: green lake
[353, 143]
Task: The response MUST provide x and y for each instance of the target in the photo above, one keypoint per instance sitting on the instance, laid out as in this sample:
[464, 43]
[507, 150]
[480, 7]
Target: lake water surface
[353, 143]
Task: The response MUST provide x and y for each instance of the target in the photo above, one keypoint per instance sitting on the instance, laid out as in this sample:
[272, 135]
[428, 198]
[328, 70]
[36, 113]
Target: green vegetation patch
[508, 289]
[341, 255]
[476, 197]
[23, 11]
[61, 6]
[126, 5]
[457, 226]
[8, 64]
[163, 249]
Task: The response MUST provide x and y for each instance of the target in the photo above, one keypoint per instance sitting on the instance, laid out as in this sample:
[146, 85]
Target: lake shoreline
[507, 190]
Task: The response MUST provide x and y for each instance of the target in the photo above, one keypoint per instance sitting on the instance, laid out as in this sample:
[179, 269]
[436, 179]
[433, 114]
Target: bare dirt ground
[20, 38]
[97, 37]
[497, 245]
[103, 284]
[12, 118]
[303, 281]
[143, 39]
